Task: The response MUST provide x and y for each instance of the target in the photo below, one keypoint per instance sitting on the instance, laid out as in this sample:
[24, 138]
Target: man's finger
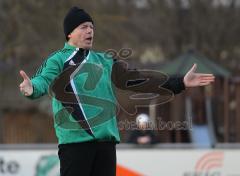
[22, 90]
[207, 79]
[26, 94]
[205, 75]
[204, 83]
[24, 75]
[194, 67]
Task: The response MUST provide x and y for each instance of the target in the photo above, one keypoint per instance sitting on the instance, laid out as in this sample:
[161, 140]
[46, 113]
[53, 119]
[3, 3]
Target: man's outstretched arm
[39, 84]
[191, 79]
[175, 84]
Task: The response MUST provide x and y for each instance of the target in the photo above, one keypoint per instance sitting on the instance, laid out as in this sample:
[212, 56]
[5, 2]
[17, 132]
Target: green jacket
[83, 95]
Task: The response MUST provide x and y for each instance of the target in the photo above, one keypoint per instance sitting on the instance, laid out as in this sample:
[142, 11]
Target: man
[86, 144]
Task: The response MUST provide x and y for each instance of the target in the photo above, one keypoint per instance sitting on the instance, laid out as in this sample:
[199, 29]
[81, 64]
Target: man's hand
[192, 79]
[26, 86]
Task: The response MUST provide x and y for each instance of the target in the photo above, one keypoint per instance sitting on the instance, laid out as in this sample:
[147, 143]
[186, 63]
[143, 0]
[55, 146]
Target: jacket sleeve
[48, 71]
[175, 84]
[121, 75]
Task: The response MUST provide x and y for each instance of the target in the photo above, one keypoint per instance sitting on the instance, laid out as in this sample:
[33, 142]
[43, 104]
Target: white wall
[153, 162]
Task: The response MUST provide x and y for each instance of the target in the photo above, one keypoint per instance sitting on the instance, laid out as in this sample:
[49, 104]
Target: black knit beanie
[74, 18]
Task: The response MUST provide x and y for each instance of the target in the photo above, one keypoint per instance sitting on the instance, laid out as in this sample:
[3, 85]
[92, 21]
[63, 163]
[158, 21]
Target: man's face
[82, 36]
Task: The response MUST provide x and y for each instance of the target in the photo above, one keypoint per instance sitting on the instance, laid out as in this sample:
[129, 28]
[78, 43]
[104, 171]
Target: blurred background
[164, 35]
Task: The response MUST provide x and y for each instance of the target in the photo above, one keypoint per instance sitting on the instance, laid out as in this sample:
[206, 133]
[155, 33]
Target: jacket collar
[67, 46]
[70, 47]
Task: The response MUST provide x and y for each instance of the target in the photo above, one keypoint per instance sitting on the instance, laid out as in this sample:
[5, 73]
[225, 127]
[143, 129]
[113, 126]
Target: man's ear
[69, 36]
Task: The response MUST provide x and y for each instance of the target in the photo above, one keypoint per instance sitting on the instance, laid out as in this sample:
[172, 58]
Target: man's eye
[85, 27]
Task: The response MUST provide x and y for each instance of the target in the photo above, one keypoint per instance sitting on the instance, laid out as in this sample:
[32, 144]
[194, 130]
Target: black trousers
[88, 159]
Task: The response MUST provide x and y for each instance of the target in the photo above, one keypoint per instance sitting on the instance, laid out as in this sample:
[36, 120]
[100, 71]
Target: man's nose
[89, 30]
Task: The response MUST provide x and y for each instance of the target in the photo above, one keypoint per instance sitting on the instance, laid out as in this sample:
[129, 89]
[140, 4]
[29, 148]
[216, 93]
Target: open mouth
[89, 39]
